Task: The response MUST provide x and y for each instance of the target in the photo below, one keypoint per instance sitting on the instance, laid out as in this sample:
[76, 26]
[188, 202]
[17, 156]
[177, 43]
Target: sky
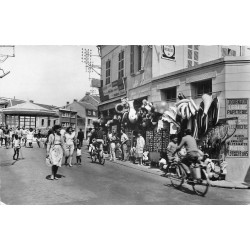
[47, 74]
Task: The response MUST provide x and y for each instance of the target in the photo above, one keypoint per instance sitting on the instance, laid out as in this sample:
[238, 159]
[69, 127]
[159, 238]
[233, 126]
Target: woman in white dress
[69, 138]
[55, 150]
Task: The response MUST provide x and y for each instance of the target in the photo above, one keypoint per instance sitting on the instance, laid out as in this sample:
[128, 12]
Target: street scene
[124, 125]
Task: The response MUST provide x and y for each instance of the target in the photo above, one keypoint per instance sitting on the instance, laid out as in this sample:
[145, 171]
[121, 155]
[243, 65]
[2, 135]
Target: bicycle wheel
[176, 175]
[201, 186]
[101, 160]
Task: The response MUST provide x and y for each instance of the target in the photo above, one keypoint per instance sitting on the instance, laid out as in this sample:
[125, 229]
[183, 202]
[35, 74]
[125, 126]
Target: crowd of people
[117, 145]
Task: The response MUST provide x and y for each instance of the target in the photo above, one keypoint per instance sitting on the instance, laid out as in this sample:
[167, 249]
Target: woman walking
[69, 138]
[55, 150]
[112, 139]
[140, 143]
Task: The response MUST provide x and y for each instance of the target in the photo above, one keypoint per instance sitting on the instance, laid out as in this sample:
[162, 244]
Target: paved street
[25, 182]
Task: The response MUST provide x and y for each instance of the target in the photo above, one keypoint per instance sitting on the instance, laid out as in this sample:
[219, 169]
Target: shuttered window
[132, 59]
[121, 65]
[108, 67]
[227, 52]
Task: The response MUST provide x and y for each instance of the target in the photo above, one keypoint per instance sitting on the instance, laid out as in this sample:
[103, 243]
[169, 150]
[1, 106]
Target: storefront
[225, 82]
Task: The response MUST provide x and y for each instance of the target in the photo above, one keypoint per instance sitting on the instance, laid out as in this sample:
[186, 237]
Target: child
[17, 146]
[132, 154]
[145, 156]
[172, 148]
[78, 155]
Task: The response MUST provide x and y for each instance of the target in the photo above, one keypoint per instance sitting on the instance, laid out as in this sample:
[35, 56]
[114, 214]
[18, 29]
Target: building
[67, 118]
[28, 114]
[123, 68]
[160, 73]
[87, 111]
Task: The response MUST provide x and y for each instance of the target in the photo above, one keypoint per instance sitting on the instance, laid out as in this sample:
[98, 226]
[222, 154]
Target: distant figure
[38, 138]
[1, 136]
[78, 155]
[80, 137]
[69, 138]
[140, 144]
[17, 146]
[30, 136]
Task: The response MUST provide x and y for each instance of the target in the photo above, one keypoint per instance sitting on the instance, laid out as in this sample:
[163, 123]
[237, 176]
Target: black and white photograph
[110, 139]
[120, 125]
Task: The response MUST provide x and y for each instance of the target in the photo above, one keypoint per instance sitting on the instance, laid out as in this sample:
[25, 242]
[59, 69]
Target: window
[121, 65]
[169, 94]
[200, 88]
[42, 123]
[135, 58]
[89, 112]
[193, 55]
[132, 59]
[94, 113]
[54, 122]
[64, 114]
[73, 116]
[48, 123]
[89, 122]
[108, 66]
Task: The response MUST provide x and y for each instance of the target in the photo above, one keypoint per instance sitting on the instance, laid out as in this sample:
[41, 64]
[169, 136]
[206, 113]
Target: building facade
[192, 70]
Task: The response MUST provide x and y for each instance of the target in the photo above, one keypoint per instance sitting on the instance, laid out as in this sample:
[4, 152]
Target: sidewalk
[156, 171]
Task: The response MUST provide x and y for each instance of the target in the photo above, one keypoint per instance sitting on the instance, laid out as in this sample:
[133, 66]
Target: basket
[196, 172]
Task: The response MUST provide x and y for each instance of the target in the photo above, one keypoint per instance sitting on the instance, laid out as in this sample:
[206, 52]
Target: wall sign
[238, 143]
[112, 90]
[168, 52]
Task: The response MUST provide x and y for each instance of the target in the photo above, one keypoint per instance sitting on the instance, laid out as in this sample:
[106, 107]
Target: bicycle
[97, 154]
[178, 176]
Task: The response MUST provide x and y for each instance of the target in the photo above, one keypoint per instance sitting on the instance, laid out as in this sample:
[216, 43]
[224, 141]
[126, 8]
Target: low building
[30, 115]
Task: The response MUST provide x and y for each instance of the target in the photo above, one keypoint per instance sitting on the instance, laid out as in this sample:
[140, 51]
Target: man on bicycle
[193, 153]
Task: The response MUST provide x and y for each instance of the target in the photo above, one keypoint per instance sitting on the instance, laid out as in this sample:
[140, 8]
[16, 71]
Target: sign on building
[238, 143]
[168, 52]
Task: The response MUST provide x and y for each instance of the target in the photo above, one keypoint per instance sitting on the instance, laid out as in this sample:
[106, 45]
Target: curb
[211, 184]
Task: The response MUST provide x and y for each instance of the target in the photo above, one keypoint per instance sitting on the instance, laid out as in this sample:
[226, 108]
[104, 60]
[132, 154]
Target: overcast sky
[47, 74]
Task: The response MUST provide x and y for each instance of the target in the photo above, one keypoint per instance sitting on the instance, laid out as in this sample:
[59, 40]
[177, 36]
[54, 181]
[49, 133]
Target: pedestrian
[17, 146]
[55, 150]
[38, 138]
[112, 140]
[140, 144]
[24, 136]
[93, 135]
[69, 138]
[6, 132]
[1, 136]
[79, 155]
[124, 140]
[88, 136]
[30, 136]
[80, 137]
[12, 134]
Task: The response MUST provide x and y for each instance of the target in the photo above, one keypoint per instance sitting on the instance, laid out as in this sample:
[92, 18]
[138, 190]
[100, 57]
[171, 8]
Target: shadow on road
[58, 176]
[181, 189]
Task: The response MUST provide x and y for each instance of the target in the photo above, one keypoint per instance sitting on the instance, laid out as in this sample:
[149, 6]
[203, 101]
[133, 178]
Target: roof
[87, 105]
[97, 98]
[29, 108]
[50, 107]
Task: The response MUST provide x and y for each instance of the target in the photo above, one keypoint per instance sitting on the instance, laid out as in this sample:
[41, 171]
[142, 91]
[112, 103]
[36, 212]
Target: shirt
[172, 147]
[16, 143]
[124, 138]
[78, 152]
[69, 138]
[189, 142]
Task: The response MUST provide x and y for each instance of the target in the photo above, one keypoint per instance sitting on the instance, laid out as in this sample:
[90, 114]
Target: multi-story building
[160, 73]
[87, 111]
[67, 118]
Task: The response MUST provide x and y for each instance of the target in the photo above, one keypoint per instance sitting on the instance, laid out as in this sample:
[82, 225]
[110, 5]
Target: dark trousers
[16, 153]
[78, 159]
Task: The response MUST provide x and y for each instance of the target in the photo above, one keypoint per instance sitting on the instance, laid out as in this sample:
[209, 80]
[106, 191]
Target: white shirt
[78, 152]
[69, 138]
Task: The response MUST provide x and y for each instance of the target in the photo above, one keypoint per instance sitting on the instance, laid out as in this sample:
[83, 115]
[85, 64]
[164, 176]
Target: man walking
[124, 139]
[80, 137]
